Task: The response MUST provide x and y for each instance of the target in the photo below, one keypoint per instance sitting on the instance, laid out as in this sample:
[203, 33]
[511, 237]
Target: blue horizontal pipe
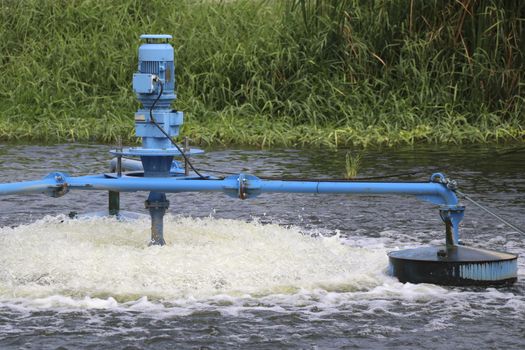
[411, 188]
[231, 184]
[133, 184]
[38, 186]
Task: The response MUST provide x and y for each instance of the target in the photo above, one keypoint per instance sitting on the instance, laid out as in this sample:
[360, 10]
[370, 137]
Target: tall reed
[300, 72]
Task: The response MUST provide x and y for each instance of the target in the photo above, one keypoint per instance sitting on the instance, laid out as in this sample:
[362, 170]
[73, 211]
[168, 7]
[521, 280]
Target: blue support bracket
[452, 216]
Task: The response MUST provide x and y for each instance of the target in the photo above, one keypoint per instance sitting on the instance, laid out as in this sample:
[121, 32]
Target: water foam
[59, 260]
[233, 267]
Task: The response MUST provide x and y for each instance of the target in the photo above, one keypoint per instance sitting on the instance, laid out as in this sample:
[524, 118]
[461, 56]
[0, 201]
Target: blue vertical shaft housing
[156, 59]
[154, 84]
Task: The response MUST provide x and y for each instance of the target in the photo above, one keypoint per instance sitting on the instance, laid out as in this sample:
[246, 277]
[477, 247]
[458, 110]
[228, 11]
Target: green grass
[269, 73]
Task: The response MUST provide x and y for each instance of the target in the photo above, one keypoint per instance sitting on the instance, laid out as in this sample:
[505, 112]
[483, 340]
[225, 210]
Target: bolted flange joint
[60, 186]
[242, 186]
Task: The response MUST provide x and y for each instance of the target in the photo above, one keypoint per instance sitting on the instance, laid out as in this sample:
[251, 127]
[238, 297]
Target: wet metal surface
[453, 265]
[453, 254]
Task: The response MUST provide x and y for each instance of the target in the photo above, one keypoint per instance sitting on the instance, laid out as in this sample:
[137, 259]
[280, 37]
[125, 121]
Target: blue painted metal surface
[159, 178]
[156, 122]
[155, 67]
[144, 83]
[452, 217]
[155, 36]
[251, 185]
[141, 151]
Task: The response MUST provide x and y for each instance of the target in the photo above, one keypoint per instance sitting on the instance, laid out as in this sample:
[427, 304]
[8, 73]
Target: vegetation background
[332, 73]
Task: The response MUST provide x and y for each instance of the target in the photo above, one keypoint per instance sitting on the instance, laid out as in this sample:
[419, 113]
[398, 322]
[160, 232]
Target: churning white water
[102, 257]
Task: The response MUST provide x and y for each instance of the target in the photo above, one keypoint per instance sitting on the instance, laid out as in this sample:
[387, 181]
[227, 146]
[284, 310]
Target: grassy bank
[267, 73]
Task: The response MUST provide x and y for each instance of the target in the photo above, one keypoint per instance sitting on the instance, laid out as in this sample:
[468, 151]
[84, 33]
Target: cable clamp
[442, 179]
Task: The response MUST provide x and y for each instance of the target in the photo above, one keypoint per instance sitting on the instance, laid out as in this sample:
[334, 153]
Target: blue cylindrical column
[154, 84]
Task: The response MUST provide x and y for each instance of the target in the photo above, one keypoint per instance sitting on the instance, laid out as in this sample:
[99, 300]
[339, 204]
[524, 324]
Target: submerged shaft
[157, 204]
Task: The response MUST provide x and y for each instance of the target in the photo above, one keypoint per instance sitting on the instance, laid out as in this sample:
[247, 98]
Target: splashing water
[103, 257]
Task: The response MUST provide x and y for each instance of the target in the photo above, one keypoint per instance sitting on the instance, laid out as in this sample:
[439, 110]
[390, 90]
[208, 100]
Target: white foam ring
[107, 259]
[227, 265]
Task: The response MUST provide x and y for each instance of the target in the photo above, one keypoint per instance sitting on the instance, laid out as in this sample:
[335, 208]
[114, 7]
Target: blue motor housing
[155, 67]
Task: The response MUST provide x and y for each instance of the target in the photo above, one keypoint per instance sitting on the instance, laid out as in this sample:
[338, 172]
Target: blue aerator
[158, 173]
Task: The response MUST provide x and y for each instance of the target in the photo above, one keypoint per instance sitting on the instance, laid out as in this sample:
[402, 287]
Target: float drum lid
[454, 266]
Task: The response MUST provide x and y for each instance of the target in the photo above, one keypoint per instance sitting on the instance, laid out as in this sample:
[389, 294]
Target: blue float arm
[52, 184]
[38, 186]
[433, 192]
[437, 190]
[243, 186]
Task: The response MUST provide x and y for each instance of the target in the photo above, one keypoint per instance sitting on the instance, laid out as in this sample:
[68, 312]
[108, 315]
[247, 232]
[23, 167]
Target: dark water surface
[276, 271]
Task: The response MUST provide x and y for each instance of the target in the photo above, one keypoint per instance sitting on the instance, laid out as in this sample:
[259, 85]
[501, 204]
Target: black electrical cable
[166, 134]
[357, 179]
[262, 177]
